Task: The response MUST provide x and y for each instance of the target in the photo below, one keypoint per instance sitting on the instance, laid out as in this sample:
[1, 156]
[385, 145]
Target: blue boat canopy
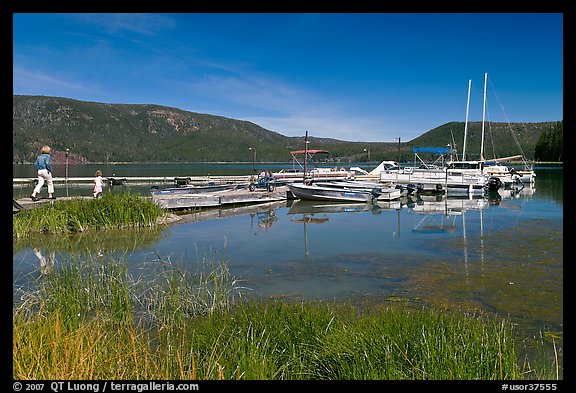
[434, 150]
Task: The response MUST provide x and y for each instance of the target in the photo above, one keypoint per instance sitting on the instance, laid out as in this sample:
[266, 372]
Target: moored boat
[389, 194]
[381, 192]
[298, 175]
[314, 192]
[305, 171]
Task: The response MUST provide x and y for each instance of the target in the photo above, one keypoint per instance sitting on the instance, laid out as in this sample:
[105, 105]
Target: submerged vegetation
[122, 210]
[89, 318]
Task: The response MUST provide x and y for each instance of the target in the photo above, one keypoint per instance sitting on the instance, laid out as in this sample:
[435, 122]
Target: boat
[509, 177]
[389, 193]
[380, 191]
[300, 173]
[315, 192]
[362, 174]
[458, 176]
[441, 178]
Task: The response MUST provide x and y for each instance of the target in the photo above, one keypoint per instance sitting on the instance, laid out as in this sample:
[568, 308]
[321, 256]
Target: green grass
[122, 210]
[91, 319]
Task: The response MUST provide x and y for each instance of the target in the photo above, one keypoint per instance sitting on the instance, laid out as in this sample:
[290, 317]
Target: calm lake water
[501, 255]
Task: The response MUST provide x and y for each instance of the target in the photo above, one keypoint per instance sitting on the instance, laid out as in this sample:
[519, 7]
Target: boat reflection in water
[309, 210]
[439, 214]
[432, 214]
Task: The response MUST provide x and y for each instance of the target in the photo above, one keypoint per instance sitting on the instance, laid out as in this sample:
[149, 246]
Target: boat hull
[317, 193]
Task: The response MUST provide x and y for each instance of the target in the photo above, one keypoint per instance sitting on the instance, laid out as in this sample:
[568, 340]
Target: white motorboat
[380, 191]
[314, 192]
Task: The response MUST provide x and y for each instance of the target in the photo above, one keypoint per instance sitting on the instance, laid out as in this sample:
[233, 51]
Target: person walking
[43, 165]
[98, 184]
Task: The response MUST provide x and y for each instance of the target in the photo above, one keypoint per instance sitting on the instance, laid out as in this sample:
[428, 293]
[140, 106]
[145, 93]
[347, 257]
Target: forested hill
[98, 132]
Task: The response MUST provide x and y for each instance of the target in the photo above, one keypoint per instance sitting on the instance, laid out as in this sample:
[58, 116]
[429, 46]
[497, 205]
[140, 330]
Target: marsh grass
[91, 319]
[118, 210]
[172, 296]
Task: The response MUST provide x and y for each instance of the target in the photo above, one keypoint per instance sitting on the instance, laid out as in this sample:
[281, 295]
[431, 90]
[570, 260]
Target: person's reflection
[46, 265]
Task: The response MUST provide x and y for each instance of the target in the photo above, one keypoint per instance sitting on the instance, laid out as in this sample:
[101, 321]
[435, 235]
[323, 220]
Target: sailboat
[492, 168]
[456, 177]
[473, 177]
[475, 168]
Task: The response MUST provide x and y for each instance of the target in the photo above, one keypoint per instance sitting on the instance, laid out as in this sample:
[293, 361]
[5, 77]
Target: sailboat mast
[483, 117]
[305, 156]
[466, 124]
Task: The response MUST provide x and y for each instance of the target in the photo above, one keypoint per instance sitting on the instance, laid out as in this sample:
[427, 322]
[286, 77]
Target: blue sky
[356, 77]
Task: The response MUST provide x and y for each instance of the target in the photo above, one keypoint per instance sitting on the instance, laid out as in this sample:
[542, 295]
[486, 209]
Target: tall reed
[91, 319]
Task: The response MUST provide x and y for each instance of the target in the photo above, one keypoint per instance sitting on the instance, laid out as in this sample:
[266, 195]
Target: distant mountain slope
[98, 132]
[118, 132]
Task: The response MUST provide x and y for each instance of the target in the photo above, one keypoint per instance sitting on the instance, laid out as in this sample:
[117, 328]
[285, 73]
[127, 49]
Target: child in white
[98, 184]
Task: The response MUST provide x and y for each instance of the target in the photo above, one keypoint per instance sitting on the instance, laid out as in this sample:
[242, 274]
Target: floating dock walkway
[188, 201]
[28, 203]
[221, 198]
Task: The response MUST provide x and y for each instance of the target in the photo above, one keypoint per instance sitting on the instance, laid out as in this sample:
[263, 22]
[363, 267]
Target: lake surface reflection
[502, 254]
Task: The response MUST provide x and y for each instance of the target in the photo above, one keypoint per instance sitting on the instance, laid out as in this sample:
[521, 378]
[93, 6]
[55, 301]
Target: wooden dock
[187, 201]
[221, 198]
[28, 203]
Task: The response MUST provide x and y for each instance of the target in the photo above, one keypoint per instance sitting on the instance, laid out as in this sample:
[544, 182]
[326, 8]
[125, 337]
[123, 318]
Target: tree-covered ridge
[99, 132]
[550, 145]
[120, 132]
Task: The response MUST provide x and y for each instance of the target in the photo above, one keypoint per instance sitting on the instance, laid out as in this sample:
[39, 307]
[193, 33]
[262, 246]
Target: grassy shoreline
[123, 210]
[90, 319]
